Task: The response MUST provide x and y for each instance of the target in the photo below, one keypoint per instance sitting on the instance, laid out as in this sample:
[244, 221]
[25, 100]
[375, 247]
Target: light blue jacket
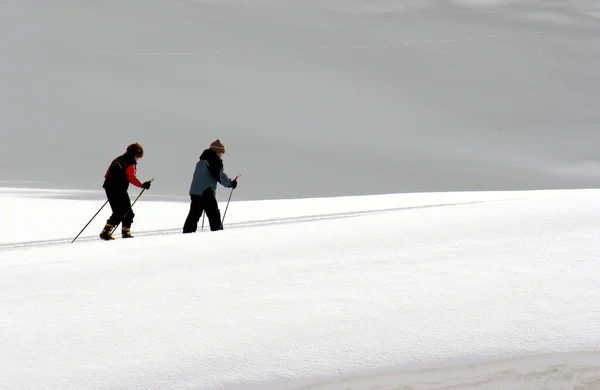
[209, 171]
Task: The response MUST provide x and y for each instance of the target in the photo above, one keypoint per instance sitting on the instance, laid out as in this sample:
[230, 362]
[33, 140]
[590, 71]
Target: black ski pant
[203, 203]
[121, 207]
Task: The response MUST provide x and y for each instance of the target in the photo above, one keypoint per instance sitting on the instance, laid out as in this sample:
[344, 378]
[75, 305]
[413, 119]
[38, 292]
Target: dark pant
[121, 208]
[203, 203]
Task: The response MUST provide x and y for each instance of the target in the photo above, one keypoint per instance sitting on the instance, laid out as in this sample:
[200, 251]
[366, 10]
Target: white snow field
[471, 290]
[312, 98]
[417, 208]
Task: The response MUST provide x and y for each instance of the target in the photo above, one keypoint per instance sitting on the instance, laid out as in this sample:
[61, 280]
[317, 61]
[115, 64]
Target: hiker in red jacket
[120, 173]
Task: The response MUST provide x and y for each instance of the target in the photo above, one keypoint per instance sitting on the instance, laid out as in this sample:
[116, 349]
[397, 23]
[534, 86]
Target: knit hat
[217, 146]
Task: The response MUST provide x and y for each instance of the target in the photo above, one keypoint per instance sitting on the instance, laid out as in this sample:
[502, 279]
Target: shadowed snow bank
[579, 371]
[311, 98]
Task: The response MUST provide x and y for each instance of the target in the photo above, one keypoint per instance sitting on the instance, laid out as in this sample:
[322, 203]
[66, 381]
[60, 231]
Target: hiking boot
[106, 233]
[126, 233]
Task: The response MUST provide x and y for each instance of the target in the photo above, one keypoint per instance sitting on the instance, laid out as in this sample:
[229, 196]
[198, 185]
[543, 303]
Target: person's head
[136, 150]
[218, 148]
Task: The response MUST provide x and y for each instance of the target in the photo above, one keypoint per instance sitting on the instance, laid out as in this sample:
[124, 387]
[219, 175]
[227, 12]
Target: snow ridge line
[293, 47]
[236, 225]
[326, 47]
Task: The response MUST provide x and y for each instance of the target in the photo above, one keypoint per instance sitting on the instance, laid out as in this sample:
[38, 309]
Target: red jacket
[121, 172]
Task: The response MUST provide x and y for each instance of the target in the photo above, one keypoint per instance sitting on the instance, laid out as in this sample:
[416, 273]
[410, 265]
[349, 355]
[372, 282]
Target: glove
[146, 185]
[234, 184]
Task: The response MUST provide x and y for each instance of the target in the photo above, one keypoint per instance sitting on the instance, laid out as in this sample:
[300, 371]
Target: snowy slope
[311, 97]
[435, 289]
[352, 292]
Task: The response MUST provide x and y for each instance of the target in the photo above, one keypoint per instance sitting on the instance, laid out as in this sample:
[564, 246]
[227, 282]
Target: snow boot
[106, 233]
[126, 233]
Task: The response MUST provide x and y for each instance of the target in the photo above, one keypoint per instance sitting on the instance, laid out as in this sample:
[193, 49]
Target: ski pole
[98, 212]
[203, 213]
[231, 193]
[136, 199]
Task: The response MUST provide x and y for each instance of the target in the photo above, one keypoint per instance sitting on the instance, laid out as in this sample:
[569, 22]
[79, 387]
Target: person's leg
[211, 207]
[127, 217]
[191, 222]
[113, 206]
[119, 206]
[106, 233]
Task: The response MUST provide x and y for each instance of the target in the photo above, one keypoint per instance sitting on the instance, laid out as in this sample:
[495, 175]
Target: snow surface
[434, 289]
[311, 97]
[422, 290]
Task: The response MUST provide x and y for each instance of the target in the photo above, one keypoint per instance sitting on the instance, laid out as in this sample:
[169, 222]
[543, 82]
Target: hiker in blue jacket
[209, 171]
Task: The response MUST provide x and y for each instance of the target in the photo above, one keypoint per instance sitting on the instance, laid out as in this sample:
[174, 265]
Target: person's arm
[226, 181]
[131, 176]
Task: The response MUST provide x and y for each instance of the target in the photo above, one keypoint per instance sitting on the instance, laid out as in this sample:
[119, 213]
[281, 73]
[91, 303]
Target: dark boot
[106, 233]
[126, 233]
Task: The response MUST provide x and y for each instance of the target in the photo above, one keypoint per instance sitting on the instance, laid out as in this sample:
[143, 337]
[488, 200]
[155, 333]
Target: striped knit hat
[217, 146]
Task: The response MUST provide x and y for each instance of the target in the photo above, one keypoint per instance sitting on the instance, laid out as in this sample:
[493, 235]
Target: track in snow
[236, 225]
